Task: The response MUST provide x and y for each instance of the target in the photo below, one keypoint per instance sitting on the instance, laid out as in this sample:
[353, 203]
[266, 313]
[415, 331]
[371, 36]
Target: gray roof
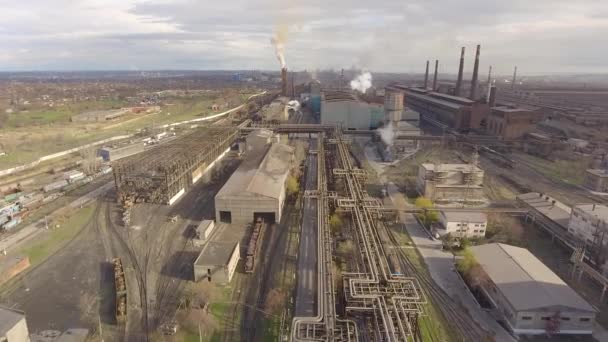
[558, 212]
[465, 216]
[8, 319]
[524, 280]
[216, 253]
[261, 173]
[452, 167]
[600, 211]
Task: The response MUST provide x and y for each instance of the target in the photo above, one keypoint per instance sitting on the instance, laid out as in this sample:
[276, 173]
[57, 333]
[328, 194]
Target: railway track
[462, 323]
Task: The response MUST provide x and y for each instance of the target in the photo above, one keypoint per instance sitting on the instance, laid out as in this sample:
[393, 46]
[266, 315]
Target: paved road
[441, 267]
[306, 287]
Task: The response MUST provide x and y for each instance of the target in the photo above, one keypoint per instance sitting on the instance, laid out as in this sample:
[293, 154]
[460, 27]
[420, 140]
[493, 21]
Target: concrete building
[512, 123]
[596, 180]
[589, 222]
[257, 187]
[343, 108]
[451, 182]
[459, 113]
[528, 296]
[13, 327]
[217, 262]
[112, 153]
[202, 232]
[469, 224]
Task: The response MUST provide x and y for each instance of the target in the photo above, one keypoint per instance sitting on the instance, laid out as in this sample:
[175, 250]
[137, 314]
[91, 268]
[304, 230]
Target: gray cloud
[389, 35]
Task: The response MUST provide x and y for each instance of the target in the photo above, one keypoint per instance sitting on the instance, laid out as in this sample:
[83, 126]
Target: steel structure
[163, 173]
[392, 302]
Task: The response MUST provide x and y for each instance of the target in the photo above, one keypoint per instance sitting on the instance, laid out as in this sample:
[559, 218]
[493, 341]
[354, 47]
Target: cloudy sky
[540, 36]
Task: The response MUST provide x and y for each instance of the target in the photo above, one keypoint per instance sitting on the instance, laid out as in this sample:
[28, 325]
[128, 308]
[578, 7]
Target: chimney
[514, 78]
[284, 82]
[490, 76]
[426, 75]
[492, 98]
[460, 69]
[475, 71]
[435, 77]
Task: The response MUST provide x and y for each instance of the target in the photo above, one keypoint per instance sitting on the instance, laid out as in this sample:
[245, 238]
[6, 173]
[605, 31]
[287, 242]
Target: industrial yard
[308, 201]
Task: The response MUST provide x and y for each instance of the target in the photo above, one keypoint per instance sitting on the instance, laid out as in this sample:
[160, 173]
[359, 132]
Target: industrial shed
[257, 187]
[344, 108]
[217, 262]
[530, 298]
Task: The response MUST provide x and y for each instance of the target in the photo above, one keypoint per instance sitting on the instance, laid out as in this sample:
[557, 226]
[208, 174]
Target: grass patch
[568, 171]
[55, 238]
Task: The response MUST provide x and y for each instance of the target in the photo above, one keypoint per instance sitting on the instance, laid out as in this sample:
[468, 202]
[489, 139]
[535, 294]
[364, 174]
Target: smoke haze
[362, 82]
[278, 41]
[387, 134]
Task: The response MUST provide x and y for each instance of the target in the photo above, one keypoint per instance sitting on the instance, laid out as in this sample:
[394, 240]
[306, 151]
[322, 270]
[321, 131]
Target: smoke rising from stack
[387, 133]
[362, 82]
[278, 41]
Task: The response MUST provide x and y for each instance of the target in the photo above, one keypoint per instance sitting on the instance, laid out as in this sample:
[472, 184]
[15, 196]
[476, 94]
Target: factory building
[596, 180]
[589, 222]
[217, 262]
[528, 296]
[451, 182]
[343, 108]
[459, 113]
[464, 224]
[112, 153]
[512, 123]
[257, 187]
[13, 326]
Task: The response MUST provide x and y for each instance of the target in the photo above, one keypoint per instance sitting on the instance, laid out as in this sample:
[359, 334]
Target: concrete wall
[242, 208]
[18, 333]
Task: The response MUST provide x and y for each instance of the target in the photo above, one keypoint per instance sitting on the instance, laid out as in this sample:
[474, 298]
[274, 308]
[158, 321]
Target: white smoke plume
[362, 82]
[294, 104]
[278, 41]
[387, 134]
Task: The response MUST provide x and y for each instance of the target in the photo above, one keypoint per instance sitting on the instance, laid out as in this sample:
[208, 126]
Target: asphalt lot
[307, 254]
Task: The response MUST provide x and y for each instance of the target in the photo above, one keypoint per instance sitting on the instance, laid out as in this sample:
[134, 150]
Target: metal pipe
[475, 71]
[460, 70]
[426, 75]
[435, 77]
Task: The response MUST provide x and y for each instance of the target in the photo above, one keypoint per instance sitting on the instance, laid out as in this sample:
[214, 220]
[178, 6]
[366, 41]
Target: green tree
[466, 262]
[335, 222]
[427, 217]
[292, 186]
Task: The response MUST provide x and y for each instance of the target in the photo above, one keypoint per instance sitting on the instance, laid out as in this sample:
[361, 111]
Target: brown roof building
[512, 123]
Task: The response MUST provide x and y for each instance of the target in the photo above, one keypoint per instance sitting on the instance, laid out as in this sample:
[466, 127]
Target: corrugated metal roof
[524, 280]
[261, 173]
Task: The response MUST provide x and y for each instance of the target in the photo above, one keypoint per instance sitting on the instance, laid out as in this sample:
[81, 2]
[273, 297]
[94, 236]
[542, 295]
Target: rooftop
[600, 211]
[216, 253]
[464, 216]
[506, 109]
[557, 212]
[337, 95]
[451, 167]
[263, 172]
[524, 280]
[9, 318]
[598, 172]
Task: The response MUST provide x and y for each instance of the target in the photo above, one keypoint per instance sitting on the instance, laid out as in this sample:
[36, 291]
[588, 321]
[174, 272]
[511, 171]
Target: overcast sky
[540, 36]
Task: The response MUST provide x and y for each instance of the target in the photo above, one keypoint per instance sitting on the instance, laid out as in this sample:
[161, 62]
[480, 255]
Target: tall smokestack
[284, 82]
[460, 69]
[514, 78]
[435, 77]
[426, 75]
[492, 99]
[490, 76]
[475, 72]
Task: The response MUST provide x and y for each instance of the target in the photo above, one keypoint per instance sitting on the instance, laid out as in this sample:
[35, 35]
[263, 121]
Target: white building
[589, 222]
[217, 262]
[13, 327]
[468, 224]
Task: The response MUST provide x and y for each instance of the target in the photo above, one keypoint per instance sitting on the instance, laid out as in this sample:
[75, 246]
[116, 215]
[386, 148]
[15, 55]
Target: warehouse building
[459, 113]
[13, 326]
[589, 222]
[512, 123]
[217, 262]
[596, 180]
[257, 187]
[343, 108]
[529, 297]
[451, 182]
[463, 224]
